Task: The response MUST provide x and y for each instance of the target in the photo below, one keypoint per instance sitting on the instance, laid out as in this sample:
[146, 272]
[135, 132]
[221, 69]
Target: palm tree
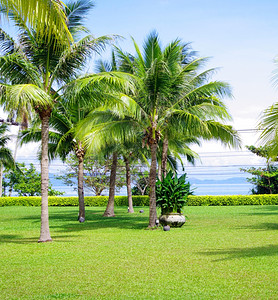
[171, 96]
[45, 16]
[34, 69]
[6, 157]
[269, 125]
[63, 120]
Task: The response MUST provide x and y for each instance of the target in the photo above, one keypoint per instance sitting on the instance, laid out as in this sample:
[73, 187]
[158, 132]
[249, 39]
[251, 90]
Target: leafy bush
[144, 200]
[233, 200]
[73, 201]
[172, 193]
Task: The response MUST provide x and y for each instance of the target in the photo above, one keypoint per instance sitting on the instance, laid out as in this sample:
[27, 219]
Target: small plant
[172, 193]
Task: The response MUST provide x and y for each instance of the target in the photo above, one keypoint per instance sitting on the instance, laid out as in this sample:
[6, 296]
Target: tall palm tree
[6, 157]
[63, 120]
[35, 69]
[170, 94]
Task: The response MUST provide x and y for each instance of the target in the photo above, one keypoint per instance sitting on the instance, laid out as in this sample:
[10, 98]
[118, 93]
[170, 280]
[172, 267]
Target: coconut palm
[63, 120]
[171, 96]
[34, 70]
[269, 125]
[45, 16]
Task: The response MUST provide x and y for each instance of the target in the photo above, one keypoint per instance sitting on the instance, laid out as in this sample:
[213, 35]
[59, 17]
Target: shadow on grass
[235, 253]
[261, 226]
[66, 221]
[16, 239]
[264, 210]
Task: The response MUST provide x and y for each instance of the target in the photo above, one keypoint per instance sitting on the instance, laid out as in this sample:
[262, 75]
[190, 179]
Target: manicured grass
[221, 253]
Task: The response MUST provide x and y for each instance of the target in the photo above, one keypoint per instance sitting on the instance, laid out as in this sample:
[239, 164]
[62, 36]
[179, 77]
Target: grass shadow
[237, 253]
[65, 220]
[265, 210]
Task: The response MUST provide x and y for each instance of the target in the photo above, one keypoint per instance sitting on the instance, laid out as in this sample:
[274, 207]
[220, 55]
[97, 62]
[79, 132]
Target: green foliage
[25, 181]
[96, 173]
[232, 200]
[172, 193]
[265, 180]
[141, 184]
[72, 201]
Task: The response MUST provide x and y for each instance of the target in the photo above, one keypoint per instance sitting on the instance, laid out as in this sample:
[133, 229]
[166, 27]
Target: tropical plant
[44, 16]
[6, 157]
[35, 69]
[269, 126]
[170, 96]
[172, 193]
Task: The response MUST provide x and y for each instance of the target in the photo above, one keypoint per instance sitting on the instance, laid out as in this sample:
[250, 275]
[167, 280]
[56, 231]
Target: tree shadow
[236, 253]
[265, 210]
[261, 226]
[16, 239]
[19, 239]
[66, 221]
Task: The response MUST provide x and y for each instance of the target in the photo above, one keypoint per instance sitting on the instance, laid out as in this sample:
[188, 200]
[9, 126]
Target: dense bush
[144, 200]
[73, 201]
[233, 200]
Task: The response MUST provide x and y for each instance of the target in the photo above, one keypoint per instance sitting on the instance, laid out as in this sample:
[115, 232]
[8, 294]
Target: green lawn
[220, 253]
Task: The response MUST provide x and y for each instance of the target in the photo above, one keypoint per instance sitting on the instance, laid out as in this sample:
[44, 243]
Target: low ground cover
[221, 253]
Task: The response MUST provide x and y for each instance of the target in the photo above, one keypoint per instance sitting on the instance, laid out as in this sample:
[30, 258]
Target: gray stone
[166, 228]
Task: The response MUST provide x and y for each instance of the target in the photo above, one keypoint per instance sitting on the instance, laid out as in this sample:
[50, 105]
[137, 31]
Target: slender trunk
[164, 156]
[10, 190]
[152, 181]
[128, 186]
[1, 179]
[45, 232]
[109, 212]
[80, 153]
[159, 172]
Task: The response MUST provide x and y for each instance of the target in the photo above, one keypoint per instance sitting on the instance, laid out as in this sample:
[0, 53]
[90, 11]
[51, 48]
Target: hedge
[143, 200]
[72, 201]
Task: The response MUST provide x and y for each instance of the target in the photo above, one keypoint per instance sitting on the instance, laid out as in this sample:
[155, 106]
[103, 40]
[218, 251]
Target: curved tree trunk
[152, 181]
[45, 232]
[80, 153]
[109, 212]
[159, 172]
[128, 186]
[164, 157]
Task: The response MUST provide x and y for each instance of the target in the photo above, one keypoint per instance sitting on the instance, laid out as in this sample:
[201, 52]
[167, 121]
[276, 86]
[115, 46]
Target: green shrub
[233, 200]
[269, 199]
[72, 201]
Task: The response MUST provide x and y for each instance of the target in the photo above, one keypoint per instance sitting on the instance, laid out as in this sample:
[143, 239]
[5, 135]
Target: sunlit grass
[220, 253]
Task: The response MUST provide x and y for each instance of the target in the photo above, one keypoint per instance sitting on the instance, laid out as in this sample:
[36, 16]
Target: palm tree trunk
[128, 186]
[45, 232]
[109, 212]
[80, 153]
[164, 157]
[1, 179]
[159, 172]
[152, 181]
